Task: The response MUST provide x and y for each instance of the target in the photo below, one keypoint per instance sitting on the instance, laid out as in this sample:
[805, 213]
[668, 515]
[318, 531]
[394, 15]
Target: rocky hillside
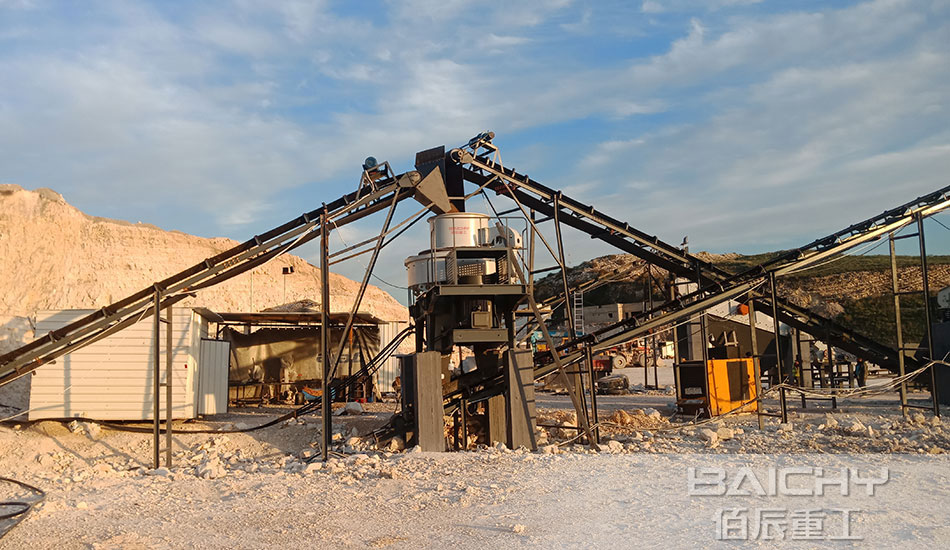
[52, 256]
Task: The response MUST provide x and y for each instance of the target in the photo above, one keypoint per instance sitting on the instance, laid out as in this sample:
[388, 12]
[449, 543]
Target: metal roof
[288, 317]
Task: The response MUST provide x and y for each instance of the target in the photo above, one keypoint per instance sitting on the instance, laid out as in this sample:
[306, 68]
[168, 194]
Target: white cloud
[259, 104]
[666, 6]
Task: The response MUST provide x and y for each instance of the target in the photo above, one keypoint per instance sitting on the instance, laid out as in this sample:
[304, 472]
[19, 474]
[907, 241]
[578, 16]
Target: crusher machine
[466, 290]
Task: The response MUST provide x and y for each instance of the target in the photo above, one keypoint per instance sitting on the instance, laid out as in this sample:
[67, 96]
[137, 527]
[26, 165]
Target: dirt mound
[56, 257]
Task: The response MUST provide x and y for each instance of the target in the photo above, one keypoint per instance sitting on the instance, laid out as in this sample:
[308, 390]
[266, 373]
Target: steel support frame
[578, 407]
[572, 329]
[756, 362]
[655, 251]
[327, 420]
[169, 358]
[358, 300]
[156, 375]
[898, 323]
[783, 377]
[925, 276]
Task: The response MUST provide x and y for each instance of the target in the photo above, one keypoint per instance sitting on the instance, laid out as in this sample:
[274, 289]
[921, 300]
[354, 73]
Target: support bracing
[156, 375]
[325, 398]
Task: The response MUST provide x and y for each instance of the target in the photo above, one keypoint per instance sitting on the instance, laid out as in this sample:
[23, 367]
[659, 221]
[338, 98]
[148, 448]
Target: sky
[747, 125]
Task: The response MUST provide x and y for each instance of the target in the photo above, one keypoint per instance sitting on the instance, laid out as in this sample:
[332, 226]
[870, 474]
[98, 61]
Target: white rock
[831, 422]
[708, 436]
[353, 408]
[725, 434]
[857, 427]
[614, 446]
[81, 505]
[76, 427]
[163, 472]
[784, 427]
[500, 447]
[550, 449]
[92, 429]
[415, 450]
[210, 469]
[652, 413]
[313, 467]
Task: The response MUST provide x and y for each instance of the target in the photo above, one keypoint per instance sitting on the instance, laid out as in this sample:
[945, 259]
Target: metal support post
[463, 414]
[830, 375]
[756, 366]
[568, 308]
[169, 358]
[364, 283]
[702, 321]
[779, 364]
[646, 370]
[589, 356]
[927, 313]
[156, 374]
[578, 404]
[531, 229]
[325, 333]
[656, 382]
[457, 426]
[895, 287]
[676, 339]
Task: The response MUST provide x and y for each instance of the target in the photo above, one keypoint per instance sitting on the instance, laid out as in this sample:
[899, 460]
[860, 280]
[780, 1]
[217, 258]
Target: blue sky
[747, 125]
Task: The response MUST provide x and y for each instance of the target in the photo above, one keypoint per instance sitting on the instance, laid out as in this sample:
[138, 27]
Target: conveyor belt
[481, 169]
[378, 190]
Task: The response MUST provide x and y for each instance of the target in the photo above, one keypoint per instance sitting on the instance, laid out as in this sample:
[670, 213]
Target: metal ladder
[578, 306]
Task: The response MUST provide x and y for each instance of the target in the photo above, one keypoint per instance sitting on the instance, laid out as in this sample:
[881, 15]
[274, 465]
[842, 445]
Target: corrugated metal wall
[112, 379]
[214, 359]
[390, 369]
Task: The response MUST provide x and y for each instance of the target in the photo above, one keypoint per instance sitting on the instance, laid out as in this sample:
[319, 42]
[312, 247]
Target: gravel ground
[257, 490]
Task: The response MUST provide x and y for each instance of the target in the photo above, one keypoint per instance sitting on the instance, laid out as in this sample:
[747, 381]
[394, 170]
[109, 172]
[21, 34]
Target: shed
[281, 349]
[113, 379]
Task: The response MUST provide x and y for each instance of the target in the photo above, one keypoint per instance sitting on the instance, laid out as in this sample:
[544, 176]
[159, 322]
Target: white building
[113, 379]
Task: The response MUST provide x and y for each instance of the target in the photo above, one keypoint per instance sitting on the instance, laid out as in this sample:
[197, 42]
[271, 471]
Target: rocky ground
[261, 489]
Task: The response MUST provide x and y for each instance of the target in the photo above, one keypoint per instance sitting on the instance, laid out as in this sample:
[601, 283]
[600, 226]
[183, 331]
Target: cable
[940, 222]
[385, 282]
[24, 507]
